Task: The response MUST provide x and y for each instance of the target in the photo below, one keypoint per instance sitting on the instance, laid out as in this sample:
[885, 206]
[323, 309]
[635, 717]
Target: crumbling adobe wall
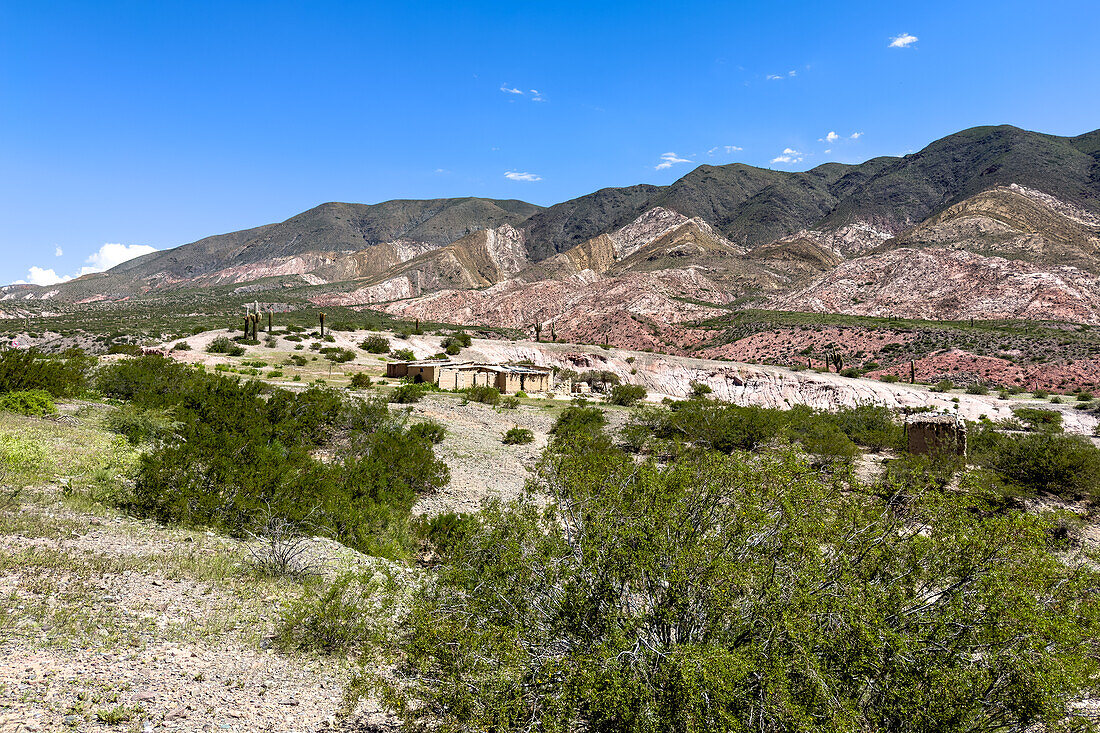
[936, 434]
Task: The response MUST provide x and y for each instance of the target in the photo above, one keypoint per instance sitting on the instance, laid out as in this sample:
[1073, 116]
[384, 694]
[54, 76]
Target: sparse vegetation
[518, 436]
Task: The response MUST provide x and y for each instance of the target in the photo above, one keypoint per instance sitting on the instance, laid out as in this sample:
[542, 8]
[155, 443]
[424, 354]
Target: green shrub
[336, 619]
[244, 450]
[1064, 465]
[20, 454]
[403, 354]
[223, 345]
[518, 436]
[944, 385]
[1039, 419]
[484, 394]
[405, 394]
[375, 344]
[361, 380]
[889, 378]
[978, 388]
[445, 531]
[33, 402]
[431, 431]
[140, 424]
[63, 376]
[627, 394]
[181, 346]
[727, 593]
[598, 379]
[1084, 396]
[454, 343]
[511, 402]
[577, 419]
[296, 360]
[872, 426]
[700, 389]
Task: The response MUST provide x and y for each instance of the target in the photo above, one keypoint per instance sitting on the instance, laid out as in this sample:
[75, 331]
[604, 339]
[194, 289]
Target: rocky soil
[109, 623]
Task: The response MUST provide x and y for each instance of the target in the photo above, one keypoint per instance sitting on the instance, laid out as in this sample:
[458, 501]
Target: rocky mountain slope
[991, 222]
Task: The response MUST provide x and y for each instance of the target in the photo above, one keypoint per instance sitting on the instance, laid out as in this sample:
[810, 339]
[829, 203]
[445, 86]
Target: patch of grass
[120, 714]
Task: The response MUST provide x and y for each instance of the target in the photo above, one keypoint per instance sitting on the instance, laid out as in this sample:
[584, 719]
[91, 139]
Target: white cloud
[727, 148]
[773, 77]
[536, 96]
[792, 72]
[42, 276]
[110, 255]
[510, 90]
[832, 137]
[856, 135]
[667, 161]
[517, 176]
[57, 252]
[903, 41]
[789, 155]
[104, 258]
[827, 151]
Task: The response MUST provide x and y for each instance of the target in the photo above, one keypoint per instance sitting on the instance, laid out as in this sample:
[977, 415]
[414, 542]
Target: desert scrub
[36, 450]
[33, 402]
[344, 617]
[627, 394]
[223, 345]
[518, 436]
[255, 443]
[138, 424]
[1046, 461]
[61, 376]
[361, 380]
[404, 394]
[483, 394]
[537, 594]
[375, 344]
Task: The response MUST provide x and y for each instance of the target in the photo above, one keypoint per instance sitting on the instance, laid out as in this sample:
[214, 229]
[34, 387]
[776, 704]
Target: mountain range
[990, 222]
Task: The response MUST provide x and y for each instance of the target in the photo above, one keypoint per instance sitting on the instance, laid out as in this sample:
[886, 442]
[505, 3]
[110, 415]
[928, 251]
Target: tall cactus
[836, 360]
[322, 325]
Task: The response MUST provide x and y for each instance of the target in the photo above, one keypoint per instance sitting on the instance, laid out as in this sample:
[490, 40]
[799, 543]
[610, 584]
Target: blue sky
[151, 124]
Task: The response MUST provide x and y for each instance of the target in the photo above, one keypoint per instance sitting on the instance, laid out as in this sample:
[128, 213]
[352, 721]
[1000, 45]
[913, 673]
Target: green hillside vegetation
[236, 455]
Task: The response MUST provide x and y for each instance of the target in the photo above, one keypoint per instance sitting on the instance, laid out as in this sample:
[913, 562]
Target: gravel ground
[118, 624]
